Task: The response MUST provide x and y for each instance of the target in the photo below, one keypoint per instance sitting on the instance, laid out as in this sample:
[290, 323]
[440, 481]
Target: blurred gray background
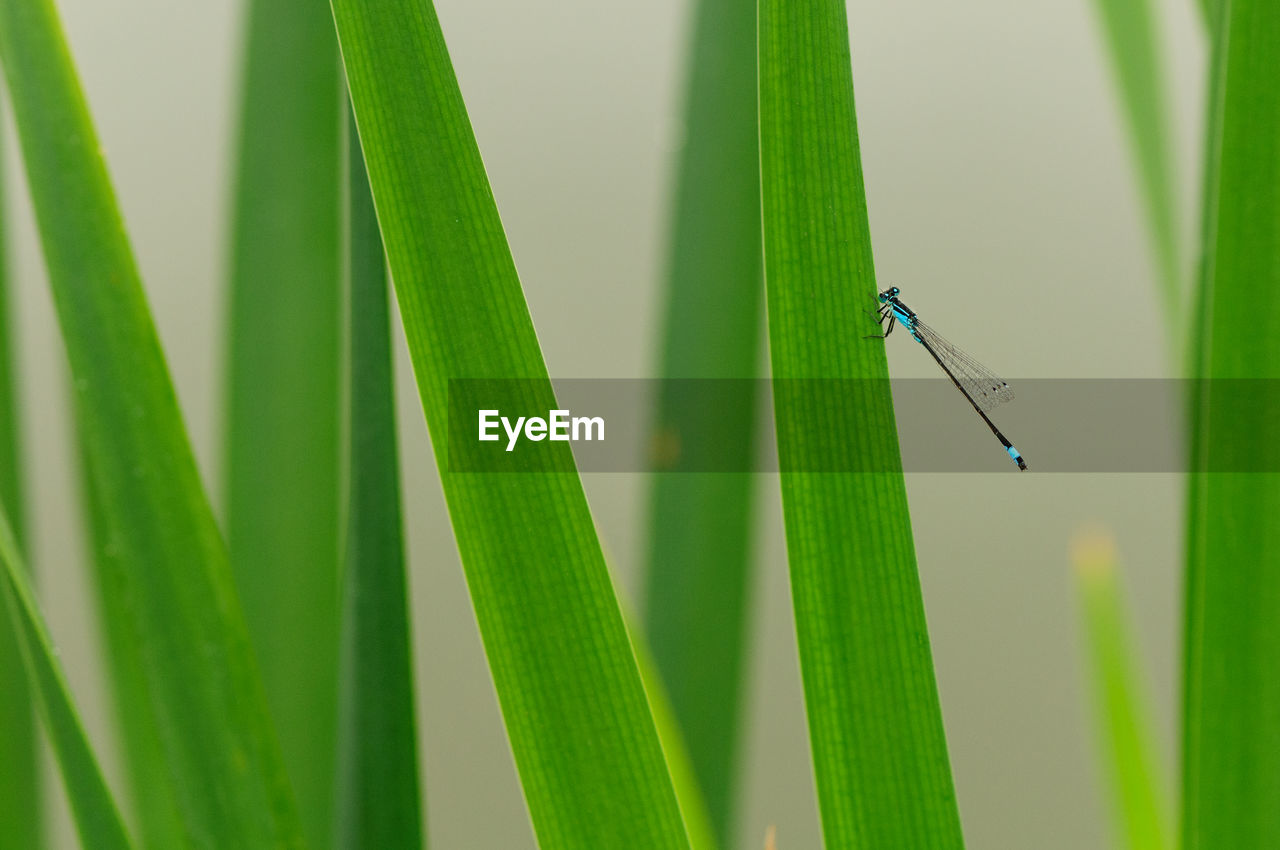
[1001, 198]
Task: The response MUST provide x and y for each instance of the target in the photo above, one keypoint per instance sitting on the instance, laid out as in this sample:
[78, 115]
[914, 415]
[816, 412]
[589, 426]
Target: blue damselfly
[982, 387]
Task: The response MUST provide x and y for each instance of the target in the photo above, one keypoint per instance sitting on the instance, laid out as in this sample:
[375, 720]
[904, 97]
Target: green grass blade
[1136, 60]
[875, 726]
[154, 803]
[10, 456]
[575, 709]
[96, 815]
[1197, 367]
[378, 797]
[1231, 765]
[693, 806]
[19, 769]
[1211, 12]
[1124, 717]
[283, 383]
[699, 555]
[222, 757]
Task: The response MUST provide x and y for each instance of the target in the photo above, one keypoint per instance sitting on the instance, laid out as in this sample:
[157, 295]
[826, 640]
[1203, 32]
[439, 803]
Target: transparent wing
[987, 388]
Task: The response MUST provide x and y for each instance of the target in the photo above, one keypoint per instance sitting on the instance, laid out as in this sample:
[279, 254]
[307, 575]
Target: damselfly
[982, 387]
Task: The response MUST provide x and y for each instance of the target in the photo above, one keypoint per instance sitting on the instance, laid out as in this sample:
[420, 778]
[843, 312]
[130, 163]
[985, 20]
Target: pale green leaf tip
[1093, 554]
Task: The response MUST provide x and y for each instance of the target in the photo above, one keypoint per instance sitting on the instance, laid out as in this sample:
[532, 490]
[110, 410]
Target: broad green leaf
[201, 679]
[1136, 59]
[1125, 731]
[378, 796]
[283, 381]
[1231, 766]
[575, 709]
[699, 553]
[155, 805]
[19, 772]
[875, 727]
[96, 815]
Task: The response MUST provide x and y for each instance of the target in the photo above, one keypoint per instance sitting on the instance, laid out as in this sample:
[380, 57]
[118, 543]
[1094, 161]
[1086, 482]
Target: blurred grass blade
[1124, 715]
[96, 815]
[880, 758]
[699, 554]
[688, 792]
[155, 806]
[1136, 59]
[378, 797]
[20, 797]
[1211, 13]
[1231, 763]
[283, 383]
[1197, 351]
[575, 709]
[10, 456]
[219, 747]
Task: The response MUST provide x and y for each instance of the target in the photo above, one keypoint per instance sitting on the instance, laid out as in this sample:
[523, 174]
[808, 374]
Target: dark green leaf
[378, 797]
[282, 404]
[699, 554]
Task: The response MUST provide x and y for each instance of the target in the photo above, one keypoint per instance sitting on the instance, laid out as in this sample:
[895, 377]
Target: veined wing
[986, 388]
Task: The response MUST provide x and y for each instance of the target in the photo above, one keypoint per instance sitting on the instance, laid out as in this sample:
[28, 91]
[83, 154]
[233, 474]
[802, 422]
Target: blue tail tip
[1017, 458]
